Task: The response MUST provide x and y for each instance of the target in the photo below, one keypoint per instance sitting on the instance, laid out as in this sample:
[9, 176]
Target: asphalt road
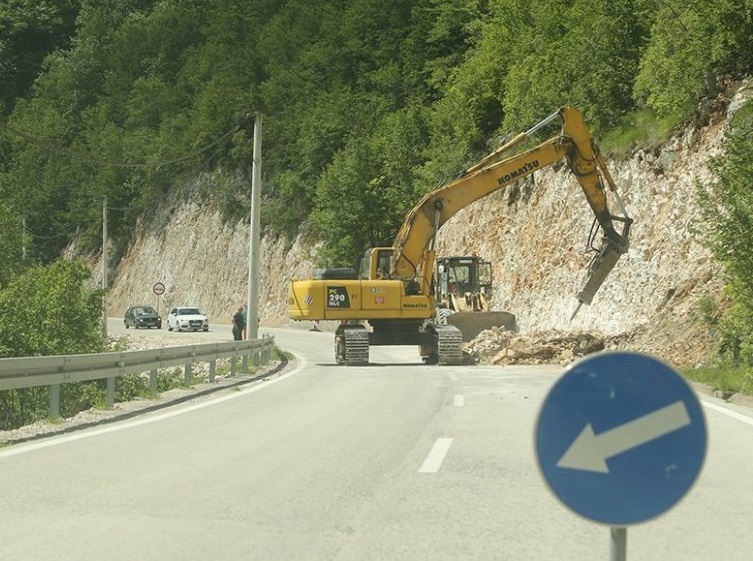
[392, 461]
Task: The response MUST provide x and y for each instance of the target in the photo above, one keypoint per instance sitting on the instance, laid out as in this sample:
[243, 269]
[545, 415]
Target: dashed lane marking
[434, 460]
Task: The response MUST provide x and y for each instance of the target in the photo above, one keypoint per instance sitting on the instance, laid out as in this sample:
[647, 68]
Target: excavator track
[447, 345]
[352, 345]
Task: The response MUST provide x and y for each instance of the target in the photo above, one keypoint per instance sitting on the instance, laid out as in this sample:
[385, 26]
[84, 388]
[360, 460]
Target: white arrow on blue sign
[620, 438]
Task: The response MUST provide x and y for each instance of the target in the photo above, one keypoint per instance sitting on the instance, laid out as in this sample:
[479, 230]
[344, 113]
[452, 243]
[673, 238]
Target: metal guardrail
[52, 371]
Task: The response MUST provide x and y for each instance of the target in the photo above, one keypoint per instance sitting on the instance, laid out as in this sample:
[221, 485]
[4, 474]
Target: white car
[187, 319]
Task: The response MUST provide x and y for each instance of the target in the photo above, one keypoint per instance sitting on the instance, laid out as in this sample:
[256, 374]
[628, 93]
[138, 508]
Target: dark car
[142, 316]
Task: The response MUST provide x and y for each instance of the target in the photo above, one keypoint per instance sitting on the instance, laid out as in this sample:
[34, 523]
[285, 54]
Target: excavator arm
[412, 256]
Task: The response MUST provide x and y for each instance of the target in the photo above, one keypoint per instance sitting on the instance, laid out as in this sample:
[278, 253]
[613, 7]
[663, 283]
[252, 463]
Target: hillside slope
[535, 235]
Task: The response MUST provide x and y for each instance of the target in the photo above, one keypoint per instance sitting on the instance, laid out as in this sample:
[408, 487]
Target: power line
[77, 157]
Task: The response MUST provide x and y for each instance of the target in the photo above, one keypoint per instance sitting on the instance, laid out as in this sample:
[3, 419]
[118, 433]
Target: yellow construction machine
[392, 299]
[463, 290]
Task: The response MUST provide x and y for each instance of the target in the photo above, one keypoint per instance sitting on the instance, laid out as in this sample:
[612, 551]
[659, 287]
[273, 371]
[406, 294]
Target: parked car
[187, 319]
[142, 316]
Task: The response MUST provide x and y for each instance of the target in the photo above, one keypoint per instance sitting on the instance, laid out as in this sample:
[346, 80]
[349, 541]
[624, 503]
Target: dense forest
[366, 105]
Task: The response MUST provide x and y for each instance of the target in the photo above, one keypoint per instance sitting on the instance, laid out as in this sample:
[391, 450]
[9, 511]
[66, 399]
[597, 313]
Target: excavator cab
[463, 283]
[375, 263]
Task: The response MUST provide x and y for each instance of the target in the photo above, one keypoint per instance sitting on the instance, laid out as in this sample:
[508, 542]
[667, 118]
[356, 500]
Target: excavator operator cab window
[383, 263]
[460, 276]
[364, 270]
[485, 278]
[376, 263]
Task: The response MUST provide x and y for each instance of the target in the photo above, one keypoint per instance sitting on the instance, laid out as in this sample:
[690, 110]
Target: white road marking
[728, 412]
[459, 400]
[434, 460]
[55, 441]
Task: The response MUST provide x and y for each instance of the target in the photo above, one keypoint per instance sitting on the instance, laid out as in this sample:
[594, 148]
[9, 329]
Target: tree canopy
[367, 104]
[49, 310]
[373, 101]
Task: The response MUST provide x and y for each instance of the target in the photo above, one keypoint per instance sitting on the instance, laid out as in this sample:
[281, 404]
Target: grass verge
[723, 377]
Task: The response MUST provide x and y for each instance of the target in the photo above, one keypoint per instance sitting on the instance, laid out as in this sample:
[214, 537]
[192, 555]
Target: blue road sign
[620, 438]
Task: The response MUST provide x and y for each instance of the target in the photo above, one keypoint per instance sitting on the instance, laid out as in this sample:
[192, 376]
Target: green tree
[583, 53]
[364, 195]
[29, 31]
[692, 43]
[43, 177]
[11, 243]
[50, 310]
[142, 97]
[469, 111]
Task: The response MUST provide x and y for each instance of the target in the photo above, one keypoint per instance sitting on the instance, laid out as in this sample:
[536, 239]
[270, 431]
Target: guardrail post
[244, 364]
[212, 370]
[55, 401]
[187, 375]
[232, 365]
[111, 392]
[153, 381]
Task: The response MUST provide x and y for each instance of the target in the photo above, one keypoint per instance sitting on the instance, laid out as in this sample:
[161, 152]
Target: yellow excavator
[392, 300]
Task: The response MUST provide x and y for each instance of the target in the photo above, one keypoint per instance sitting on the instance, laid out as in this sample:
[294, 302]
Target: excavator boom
[496, 171]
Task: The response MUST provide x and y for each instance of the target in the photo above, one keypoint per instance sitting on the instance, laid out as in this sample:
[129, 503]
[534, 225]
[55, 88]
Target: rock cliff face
[537, 242]
[535, 234]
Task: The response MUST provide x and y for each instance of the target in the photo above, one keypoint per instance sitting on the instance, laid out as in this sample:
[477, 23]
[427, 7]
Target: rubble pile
[502, 347]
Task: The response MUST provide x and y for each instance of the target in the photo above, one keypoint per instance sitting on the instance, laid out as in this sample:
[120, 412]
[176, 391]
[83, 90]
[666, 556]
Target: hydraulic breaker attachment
[602, 264]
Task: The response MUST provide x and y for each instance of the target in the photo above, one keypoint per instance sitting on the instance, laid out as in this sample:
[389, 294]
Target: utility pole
[252, 307]
[104, 267]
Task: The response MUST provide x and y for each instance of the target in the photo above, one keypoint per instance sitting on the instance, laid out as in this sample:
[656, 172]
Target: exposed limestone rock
[499, 346]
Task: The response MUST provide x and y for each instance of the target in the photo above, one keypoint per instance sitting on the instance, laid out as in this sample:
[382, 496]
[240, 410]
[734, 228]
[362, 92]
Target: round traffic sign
[620, 438]
[159, 289]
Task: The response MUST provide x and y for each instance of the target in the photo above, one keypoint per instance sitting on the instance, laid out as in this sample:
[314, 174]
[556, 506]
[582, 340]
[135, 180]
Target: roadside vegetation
[366, 104]
[727, 227]
[724, 376]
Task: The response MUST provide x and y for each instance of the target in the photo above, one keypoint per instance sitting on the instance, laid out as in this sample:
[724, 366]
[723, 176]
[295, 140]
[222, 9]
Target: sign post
[159, 290]
[620, 439]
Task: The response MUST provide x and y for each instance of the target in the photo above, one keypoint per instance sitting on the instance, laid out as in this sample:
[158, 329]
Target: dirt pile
[501, 347]
[682, 344]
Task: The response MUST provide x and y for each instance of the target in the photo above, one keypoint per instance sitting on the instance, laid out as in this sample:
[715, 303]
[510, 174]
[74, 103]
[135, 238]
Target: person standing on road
[239, 323]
